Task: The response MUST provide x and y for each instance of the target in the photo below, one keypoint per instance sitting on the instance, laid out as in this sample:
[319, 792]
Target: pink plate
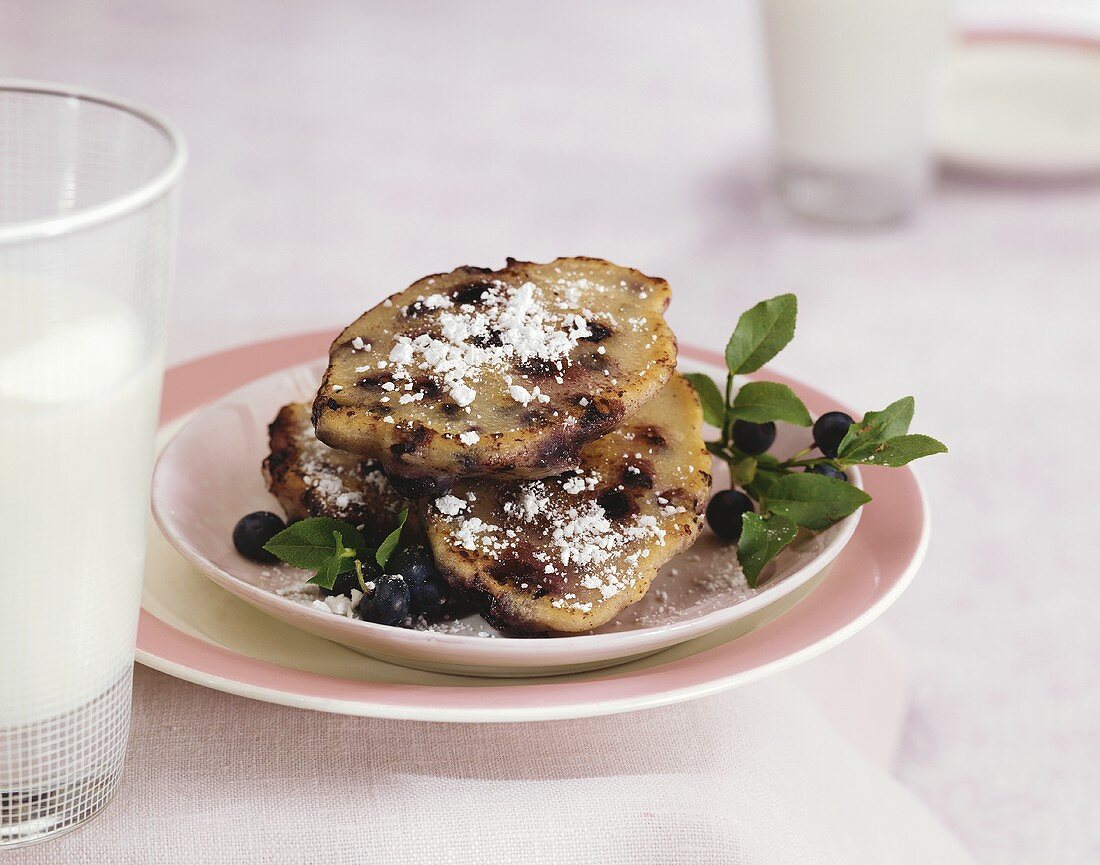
[193, 630]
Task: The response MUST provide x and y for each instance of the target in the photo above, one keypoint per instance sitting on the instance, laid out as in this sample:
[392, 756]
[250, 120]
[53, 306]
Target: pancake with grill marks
[311, 479]
[507, 373]
[565, 554]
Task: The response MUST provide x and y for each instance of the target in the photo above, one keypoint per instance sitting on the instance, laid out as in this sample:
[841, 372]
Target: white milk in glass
[851, 83]
[78, 399]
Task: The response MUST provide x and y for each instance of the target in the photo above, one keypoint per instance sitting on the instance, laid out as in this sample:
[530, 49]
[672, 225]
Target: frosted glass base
[850, 197]
[58, 773]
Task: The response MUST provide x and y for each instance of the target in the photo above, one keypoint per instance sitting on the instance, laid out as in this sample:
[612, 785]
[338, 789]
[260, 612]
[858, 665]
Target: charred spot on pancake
[537, 367]
[499, 613]
[535, 418]
[419, 487]
[601, 414]
[597, 332]
[427, 386]
[651, 435]
[471, 295]
[332, 404]
[373, 380]
[521, 570]
[450, 408]
[556, 451]
[411, 439]
[617, 504]
[490, 340]
[638, 476]
[675, 496]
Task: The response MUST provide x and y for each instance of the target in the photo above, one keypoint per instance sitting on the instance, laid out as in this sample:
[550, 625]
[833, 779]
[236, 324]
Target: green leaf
[761, 333]
[758, 487]
[767, 473]
[330, 569]
[813, 501]
[386, 548]
[902, 450]
[714, 404]
[309, 543]
[763, 401]
[876, 427]
[762, 539]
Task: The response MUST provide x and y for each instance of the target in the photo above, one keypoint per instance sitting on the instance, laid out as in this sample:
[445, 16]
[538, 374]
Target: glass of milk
[851, 84]
[87, 234]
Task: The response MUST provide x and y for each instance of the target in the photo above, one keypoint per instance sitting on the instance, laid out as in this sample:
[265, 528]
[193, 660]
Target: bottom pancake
[310, 479]
[566, 554]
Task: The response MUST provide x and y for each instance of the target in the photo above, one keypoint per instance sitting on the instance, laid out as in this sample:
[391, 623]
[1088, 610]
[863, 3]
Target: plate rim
[163, 647]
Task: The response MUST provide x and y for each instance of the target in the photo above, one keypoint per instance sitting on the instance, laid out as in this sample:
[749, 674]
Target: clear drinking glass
[87, 236]
[851, 85]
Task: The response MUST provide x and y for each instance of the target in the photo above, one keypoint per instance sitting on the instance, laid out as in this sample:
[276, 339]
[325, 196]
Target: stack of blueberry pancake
[533, 421]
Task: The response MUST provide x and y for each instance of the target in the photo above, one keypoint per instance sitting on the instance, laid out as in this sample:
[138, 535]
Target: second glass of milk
[851, 85]
[87, 231]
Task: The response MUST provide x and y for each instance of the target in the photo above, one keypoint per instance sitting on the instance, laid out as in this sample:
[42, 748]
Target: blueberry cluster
[727, 507]
[409, 589]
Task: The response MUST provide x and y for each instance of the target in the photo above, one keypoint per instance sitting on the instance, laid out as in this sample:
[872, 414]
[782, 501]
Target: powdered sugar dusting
[506, 325]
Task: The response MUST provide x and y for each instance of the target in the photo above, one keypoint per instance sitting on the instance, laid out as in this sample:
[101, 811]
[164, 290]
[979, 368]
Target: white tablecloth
[787, 772]
[342, 149]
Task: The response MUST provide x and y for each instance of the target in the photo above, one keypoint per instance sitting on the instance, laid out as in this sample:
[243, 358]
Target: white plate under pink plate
[208, 476]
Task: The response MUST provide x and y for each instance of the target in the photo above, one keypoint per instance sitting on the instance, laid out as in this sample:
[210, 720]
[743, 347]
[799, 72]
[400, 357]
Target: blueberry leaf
[329, 570]
[714, 404]
[762, 539]
[763, 401]
[761, 333]
[758, 487]
[864, 436]
[812, 500]
[387, 547]
[901, 450]
[310, 543]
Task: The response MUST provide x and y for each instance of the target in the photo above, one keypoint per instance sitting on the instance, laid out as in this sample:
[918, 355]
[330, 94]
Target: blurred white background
[340, 150]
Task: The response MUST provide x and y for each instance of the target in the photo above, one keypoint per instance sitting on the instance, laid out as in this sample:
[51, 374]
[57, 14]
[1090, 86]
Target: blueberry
[388, 604]
[253, 531]
[725, 511]
[430, 595]
[350, 580]
[829, 431]
[753, 438]
[414, 563]
[827, 470]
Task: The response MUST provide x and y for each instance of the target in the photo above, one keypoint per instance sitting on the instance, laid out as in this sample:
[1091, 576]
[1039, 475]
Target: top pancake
[508, 372]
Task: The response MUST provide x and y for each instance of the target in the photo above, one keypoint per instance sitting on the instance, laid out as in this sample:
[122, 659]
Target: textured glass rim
[122, 205]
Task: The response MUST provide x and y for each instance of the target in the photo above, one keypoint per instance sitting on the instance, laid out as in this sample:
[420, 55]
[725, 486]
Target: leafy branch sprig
[332, 547]
[790, 496]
